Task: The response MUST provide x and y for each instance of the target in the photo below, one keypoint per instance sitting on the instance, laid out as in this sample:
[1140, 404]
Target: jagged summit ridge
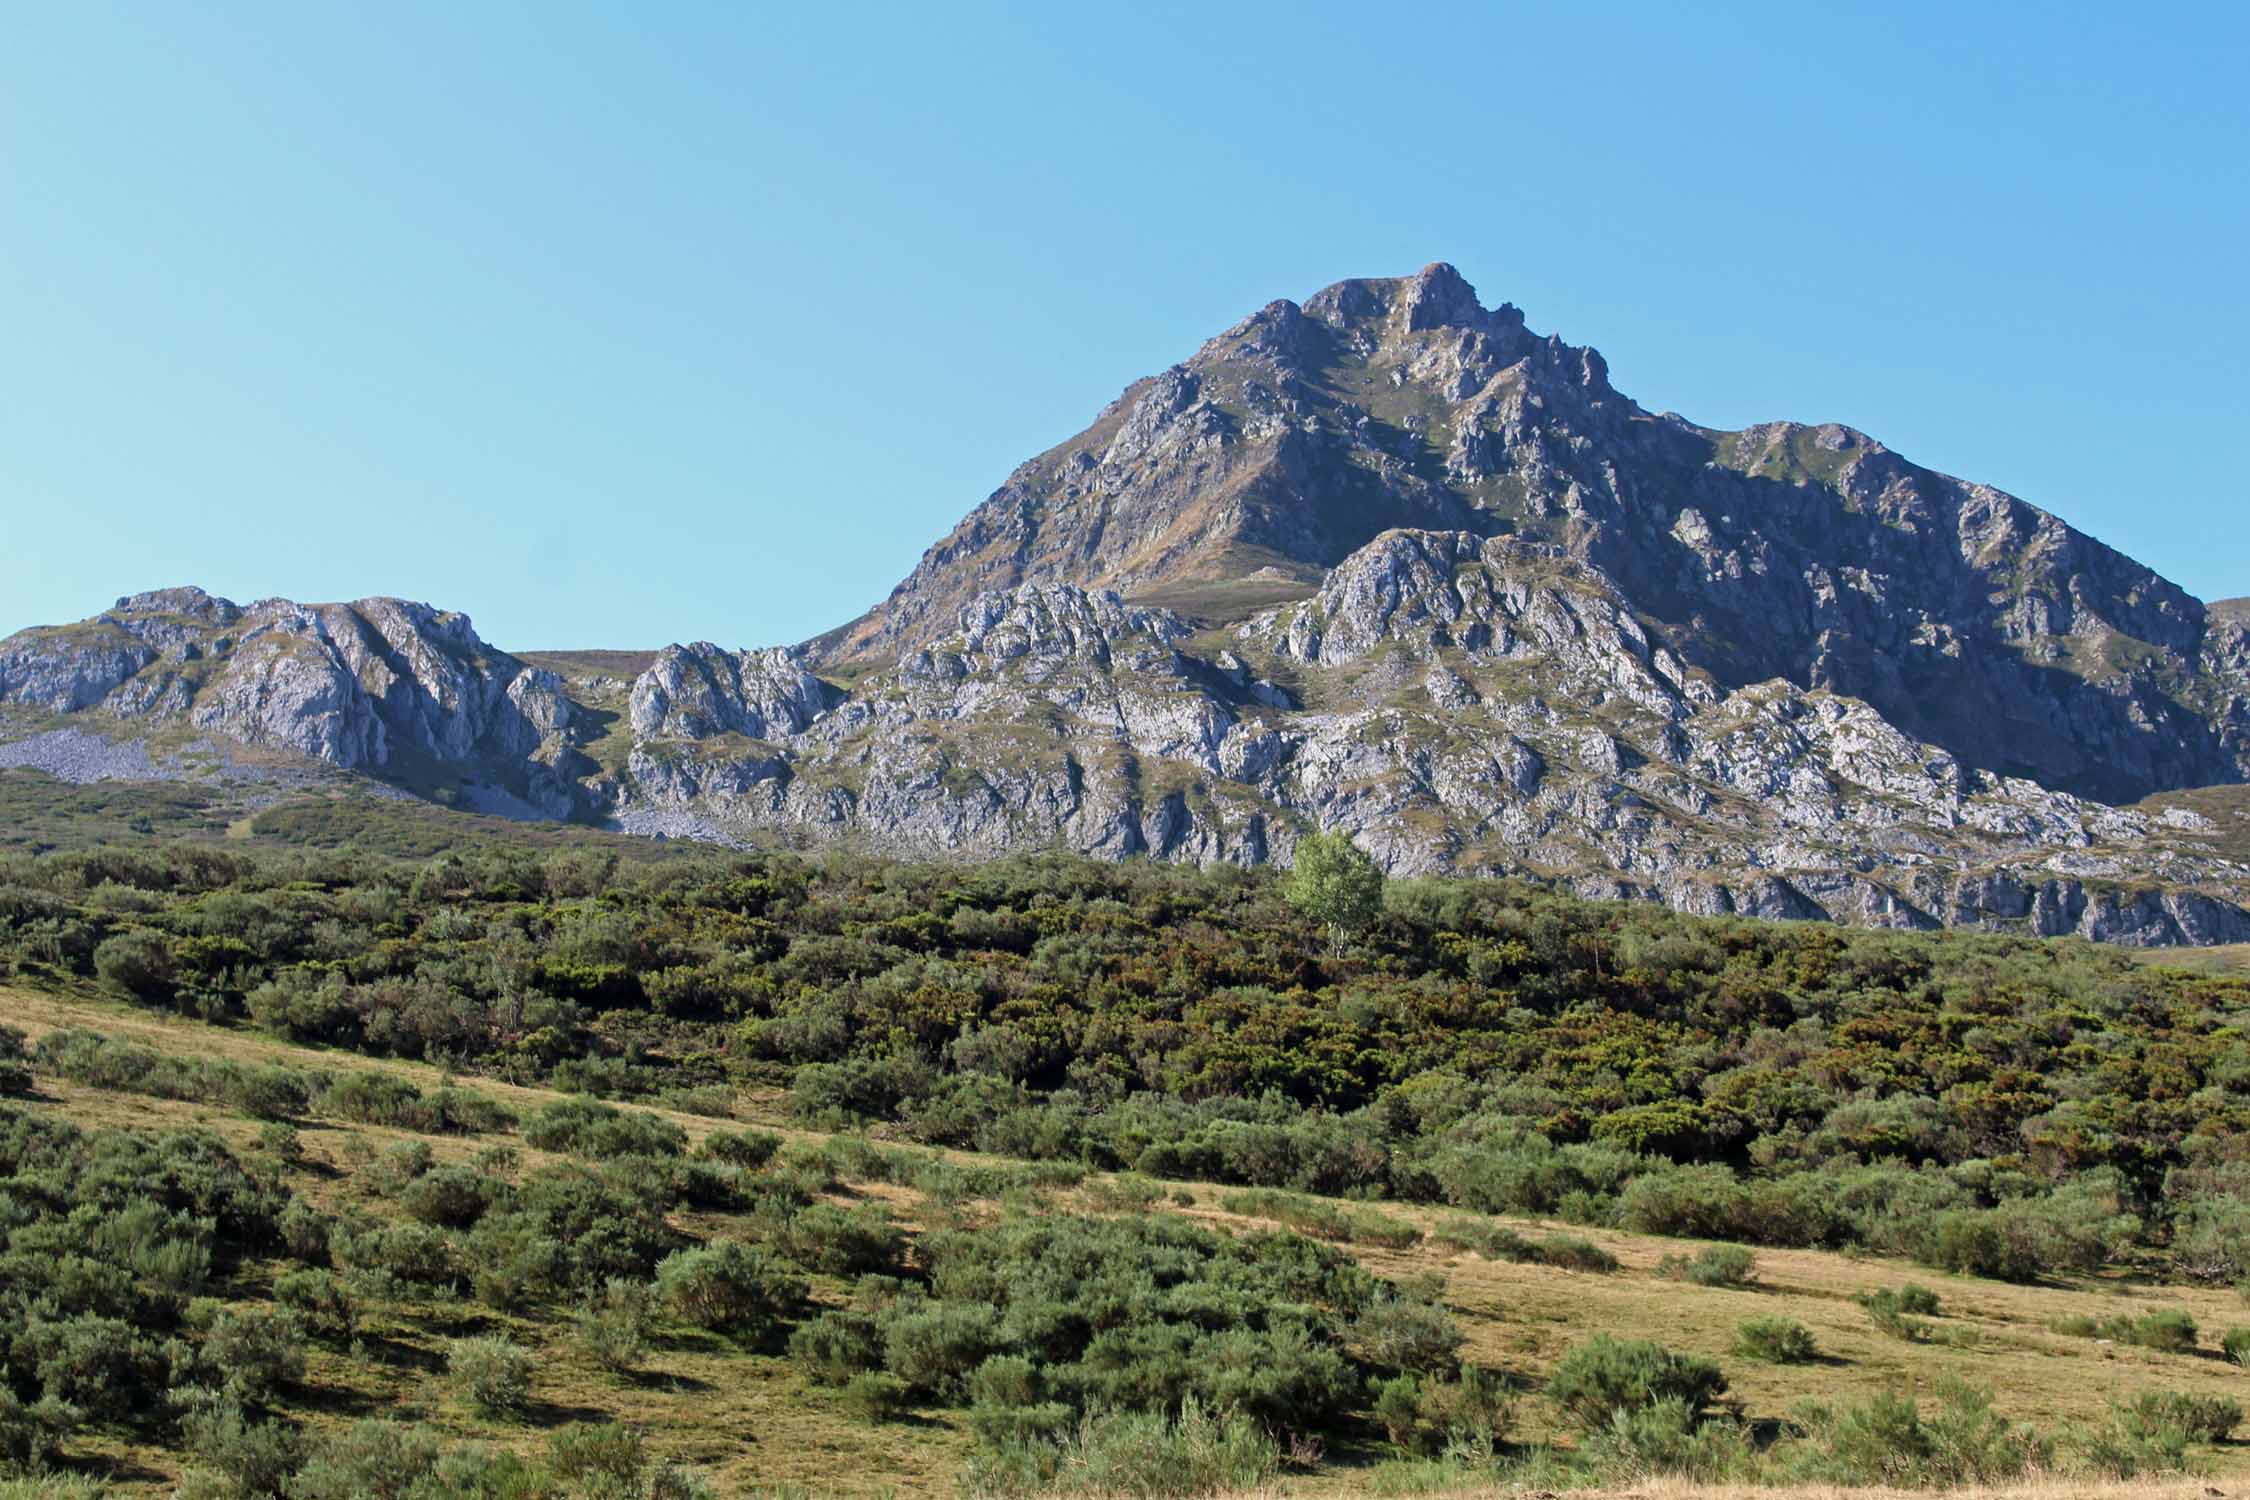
[1807, 552]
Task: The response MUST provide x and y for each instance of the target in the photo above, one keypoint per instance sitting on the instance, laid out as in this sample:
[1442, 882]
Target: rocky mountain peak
[1385, 562]
[1435, 297]
[186, 601]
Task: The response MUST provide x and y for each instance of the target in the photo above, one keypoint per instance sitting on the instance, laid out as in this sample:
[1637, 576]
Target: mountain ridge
[1386, 561]
[1403, 401]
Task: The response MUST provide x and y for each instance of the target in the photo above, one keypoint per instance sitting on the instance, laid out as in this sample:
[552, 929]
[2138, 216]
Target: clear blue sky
[626, 324]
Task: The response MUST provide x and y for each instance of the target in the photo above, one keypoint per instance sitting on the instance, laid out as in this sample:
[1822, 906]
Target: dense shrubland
[166, 1288]
[134, 1261]
[1986, 1105]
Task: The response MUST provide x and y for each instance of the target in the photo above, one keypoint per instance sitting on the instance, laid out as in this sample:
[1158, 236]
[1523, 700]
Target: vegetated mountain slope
[1388, 563]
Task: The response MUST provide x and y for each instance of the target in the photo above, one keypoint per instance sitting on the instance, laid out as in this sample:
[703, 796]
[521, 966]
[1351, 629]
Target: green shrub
[1016, 1429]
[283, 1142]
[1322, 1220]
[1889, 1440]
[836, 1345]
[1132, 1453]
[874, 1396]
[492, 1375]
[15, 1061]
[371, 1460]
[235, 1456]
[934, 1347]
[449, 1197]
[2211, 1238]
[588, 1127]
[614, 1324]
[2142, 1437]
[602, 1461]
[729, 1286]
[452, 1111]
[1668, 1438]
[1007, 1380]
[1918, 1300]
[1900, 1312]
[102, 1366]
[1775, 1341]
[304, 1232]
[413, 1253]
[605, 1457]
[272, 1094]
[1398, 1411]
[256, 1354]
[1421, 1415]
[319, 1299]
[1571, 1253]
[747, 1149]
[2236, 1345]
[512, 1260]
[1596, 1379]
[568, 1228]
[714, 1101]
[136, 964]
[840, 1242]
[2074, 1229]
[397, 1167]
[1127, 1192]
[1498, 1242]
[1402, 1333]
[31, 1435]
[2168, 1331]
[2204, 1419]
[1717, 1266]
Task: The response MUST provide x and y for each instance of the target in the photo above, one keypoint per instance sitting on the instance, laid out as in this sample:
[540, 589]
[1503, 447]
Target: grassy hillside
[748, 1416]
[2231, 958]
[1069, 1176]
[39, 815]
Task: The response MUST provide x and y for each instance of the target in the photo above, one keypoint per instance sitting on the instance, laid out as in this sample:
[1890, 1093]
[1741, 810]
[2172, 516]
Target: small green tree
[1336, 884]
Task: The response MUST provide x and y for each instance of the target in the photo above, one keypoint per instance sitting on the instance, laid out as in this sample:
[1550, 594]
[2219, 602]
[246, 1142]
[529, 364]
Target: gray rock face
[360, 686]
[1388, 563]
[1466, 703]
[694, 692]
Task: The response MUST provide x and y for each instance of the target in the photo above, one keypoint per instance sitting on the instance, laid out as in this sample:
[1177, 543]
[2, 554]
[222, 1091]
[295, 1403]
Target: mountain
[1815, 554]
[1388, 562]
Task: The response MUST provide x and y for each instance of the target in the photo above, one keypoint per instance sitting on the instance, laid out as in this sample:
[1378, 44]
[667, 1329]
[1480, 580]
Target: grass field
[753, 1423]
[2232, 958]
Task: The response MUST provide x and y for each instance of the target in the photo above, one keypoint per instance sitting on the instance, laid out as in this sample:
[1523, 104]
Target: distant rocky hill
[1386, 562]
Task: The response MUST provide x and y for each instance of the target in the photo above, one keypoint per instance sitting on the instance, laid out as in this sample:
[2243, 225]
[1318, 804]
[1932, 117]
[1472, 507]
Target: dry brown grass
[754, 1423]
